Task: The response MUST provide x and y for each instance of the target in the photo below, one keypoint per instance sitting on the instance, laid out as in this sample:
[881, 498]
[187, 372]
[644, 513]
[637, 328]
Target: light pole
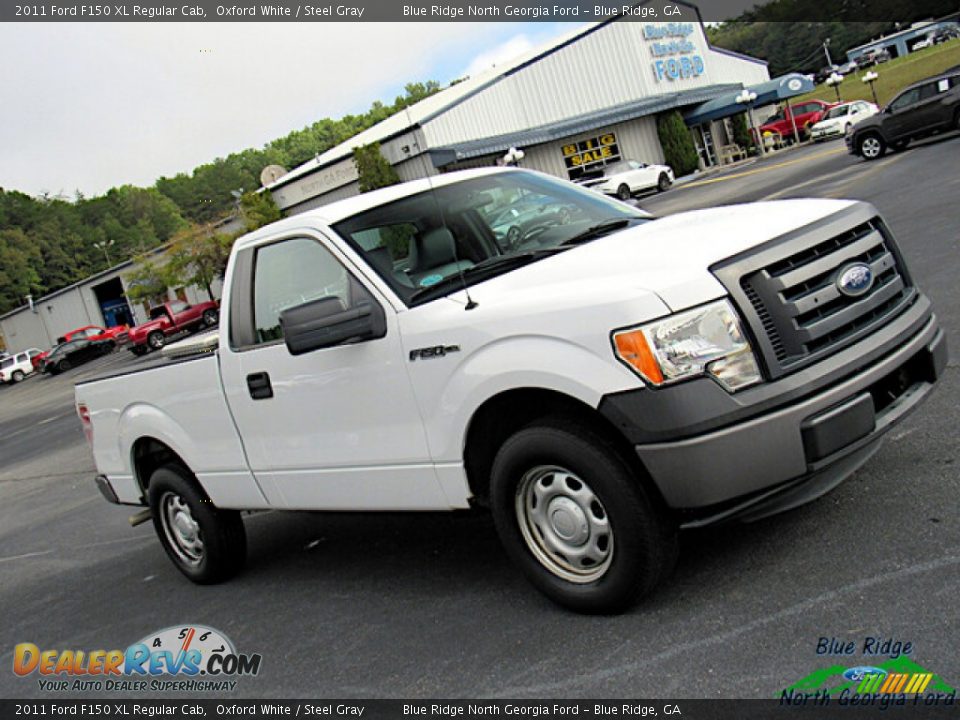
[747, 98]
[104, 246]
[870, 78]
[826, 50]
[513, 157]
[834, 81]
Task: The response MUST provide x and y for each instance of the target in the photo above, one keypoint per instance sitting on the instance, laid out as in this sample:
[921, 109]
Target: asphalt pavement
[426, 605]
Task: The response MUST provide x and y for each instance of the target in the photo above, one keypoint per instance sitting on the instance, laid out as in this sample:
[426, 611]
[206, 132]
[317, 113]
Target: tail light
[84, 414]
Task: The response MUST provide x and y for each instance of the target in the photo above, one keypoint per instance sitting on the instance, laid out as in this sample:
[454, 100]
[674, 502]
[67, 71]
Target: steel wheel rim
[156, 341]
[181, 530]
[870, 147]
[209, 317]
[564, 524]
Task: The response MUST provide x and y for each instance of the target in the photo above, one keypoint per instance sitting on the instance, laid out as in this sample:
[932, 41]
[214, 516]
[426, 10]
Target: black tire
[210, 318]
[663, 182]
[642, 542]
[139, 350]
[63, 366]
[871, 146]
[108, 347]
[17, 376]
[223, 550]
[156, 340]
[623, 192]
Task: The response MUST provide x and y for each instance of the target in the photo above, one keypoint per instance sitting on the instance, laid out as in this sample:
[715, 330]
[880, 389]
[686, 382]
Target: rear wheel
[205, 543]
[63, 366]
[663, 182]
[17, 376]
[156, 340]
[210, 318]
[623, 192]
[871, 147]
[576, 520]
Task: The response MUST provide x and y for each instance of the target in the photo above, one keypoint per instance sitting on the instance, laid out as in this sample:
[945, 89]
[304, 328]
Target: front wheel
[63, 366]
[17, 376]
[623, 192]
[576, 520]
[663, 182]
[872, 147]
[205, 543]
[156, 340]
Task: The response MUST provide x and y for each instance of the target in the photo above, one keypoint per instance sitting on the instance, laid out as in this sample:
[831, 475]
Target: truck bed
[181, 398]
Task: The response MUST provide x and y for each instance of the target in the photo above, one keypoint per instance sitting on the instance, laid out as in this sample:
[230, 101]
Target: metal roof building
[588, 98]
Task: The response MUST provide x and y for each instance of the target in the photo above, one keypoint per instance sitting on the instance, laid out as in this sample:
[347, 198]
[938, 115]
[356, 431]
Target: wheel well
[502, 415]
[150, 454]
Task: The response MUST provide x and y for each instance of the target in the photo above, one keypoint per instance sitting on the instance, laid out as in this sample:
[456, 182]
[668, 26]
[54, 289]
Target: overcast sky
[91, 106]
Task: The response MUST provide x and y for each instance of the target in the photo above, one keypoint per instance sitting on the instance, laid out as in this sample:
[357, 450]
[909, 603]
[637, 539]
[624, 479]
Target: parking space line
[766, 168]
[883, 164]
[26, 555]
[55, 417]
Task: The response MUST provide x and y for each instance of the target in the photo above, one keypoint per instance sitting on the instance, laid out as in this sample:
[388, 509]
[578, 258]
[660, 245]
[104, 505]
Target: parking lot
[423, 605]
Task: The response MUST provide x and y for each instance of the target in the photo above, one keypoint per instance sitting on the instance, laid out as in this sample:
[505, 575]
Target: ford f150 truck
[169, 319]
[599, 386]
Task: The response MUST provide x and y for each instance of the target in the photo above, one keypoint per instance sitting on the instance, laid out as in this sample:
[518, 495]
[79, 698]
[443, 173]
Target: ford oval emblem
[855, 280]
[857, 674]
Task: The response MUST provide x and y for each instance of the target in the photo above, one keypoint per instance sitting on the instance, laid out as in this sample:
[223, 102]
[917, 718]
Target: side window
[906, 99]
[928, 91]
[22, 358]
[178, 306]
[290, 273]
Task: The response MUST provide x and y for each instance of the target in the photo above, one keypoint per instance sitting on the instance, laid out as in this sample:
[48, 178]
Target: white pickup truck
[602, 382]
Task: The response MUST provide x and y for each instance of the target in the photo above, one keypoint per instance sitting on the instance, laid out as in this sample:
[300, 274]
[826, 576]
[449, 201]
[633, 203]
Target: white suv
[15, 368]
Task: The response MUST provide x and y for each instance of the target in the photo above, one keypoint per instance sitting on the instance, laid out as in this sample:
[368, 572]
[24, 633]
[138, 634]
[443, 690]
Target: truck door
[336, 428]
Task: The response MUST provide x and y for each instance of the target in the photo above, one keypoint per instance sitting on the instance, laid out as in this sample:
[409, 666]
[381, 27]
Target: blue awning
[769, 92]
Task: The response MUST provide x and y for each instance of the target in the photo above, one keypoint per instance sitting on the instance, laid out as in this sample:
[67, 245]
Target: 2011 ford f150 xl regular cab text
[606, 381]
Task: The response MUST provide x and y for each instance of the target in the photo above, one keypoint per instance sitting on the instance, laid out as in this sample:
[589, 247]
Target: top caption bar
[484, 11]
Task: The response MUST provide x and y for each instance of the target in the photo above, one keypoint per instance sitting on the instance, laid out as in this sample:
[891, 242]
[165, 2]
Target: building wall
[608, 67]
[637, 140]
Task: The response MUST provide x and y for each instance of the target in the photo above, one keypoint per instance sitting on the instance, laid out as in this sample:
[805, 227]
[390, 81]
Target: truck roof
[342, 209]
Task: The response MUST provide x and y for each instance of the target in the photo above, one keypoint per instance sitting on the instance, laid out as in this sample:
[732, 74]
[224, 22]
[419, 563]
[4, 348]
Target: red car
[169, 319]
[806, 114]
[118, 334]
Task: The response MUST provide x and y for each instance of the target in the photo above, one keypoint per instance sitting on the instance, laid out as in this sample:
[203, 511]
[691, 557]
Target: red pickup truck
[169, 319]
[806, 114]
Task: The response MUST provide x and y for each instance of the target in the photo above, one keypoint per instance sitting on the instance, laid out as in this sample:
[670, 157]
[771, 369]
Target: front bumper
[826, 134]
[764, 457]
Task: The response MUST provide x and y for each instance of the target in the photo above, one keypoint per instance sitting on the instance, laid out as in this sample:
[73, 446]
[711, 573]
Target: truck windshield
[415, 244]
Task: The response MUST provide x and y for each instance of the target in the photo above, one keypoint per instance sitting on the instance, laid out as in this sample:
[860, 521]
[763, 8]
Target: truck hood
[670, 257]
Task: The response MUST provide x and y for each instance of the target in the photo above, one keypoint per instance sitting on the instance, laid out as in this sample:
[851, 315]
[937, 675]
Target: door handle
[259, 386]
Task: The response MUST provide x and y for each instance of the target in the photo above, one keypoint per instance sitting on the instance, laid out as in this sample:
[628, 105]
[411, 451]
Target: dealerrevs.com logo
[179, 658]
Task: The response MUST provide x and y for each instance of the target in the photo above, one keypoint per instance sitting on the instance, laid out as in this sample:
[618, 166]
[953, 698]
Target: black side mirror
[324, 323]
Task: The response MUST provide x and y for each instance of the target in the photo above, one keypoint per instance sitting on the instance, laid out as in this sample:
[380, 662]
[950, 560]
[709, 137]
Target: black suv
[927, 107]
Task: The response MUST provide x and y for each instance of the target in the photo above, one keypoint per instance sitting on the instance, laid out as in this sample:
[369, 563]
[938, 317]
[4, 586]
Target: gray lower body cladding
[786, 442]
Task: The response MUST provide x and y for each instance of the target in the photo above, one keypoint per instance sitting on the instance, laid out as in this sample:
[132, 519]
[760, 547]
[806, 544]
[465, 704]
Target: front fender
[513, 363]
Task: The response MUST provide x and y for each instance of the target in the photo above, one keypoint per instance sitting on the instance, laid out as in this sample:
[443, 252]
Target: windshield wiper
[604, 227]
[491, 266]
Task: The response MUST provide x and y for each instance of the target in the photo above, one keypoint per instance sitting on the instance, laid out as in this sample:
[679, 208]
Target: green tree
[258, 209]
[149, 280]
[197, 256]
[678, 148]
[373, 169]
[741, 133]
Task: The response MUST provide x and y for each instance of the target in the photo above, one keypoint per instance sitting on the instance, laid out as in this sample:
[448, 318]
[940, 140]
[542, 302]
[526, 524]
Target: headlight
[705, 341]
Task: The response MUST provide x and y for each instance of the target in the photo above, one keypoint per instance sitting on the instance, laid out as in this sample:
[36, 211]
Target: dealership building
[590, 98]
